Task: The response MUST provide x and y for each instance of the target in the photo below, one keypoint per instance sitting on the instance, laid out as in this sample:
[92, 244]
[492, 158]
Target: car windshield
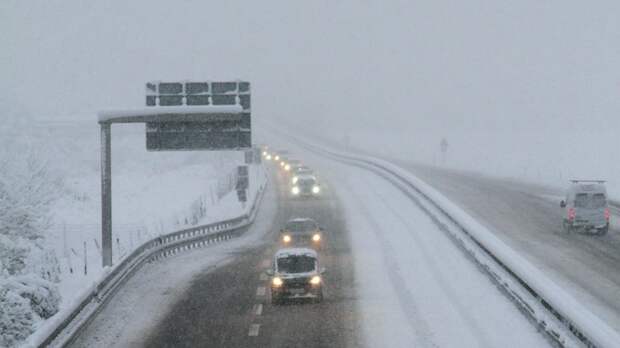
[306, 181]
[301, 226]
[296, 264]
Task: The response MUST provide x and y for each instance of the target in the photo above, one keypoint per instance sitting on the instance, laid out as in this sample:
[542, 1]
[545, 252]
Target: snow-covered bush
[17, 318]
[42, 295]
[28, 269]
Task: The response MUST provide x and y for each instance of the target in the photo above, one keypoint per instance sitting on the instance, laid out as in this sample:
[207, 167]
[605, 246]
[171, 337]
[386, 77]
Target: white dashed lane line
[254, 328]
[260, 291]
[258, 309]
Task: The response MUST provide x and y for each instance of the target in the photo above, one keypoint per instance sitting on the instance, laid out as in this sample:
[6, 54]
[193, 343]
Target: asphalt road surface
[228, 303]
[230, 307]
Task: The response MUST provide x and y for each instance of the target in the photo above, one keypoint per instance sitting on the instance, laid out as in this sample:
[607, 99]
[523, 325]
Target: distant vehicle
[296, 275]
[265, 151]
[306, 186]
[277, 155]
[300, 170]
[302, 231]
[291, 164]
[586, 206]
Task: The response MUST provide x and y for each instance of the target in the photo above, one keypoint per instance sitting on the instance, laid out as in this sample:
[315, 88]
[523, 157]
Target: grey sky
[496, 64]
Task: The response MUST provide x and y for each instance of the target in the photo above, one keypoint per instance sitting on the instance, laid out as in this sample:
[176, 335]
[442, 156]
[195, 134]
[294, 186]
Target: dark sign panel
[199, 93]
[170, 88]
[215, 133]
[249, 157]
[242, 171]
[178, 136]
[242, 183]
[242, 195]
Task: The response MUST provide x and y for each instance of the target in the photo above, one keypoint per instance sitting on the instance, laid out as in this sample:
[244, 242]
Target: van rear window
[594, 201]
[598, 200]
[581, 200]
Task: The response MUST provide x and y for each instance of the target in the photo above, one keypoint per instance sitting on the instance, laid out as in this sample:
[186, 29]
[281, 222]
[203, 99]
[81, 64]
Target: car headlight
[295, 190]
[268, 157]
[286, 238]
[277, 281]
[316, 280]
[277, 158]
[282, 164]
[316, 189]
[316, 237]
[287, 167]
[264, 153]
[295, 179]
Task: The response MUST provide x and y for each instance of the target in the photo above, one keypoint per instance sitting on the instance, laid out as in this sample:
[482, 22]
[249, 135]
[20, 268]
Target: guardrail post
[106, 194]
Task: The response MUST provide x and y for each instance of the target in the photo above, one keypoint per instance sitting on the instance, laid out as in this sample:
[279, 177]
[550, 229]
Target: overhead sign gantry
[180, 116]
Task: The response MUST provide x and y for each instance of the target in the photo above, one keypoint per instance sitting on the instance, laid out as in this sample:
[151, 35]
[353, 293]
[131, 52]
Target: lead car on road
[296, 274]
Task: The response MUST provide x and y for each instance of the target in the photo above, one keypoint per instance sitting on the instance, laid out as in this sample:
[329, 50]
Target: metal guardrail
[159, 247]
[563, 328]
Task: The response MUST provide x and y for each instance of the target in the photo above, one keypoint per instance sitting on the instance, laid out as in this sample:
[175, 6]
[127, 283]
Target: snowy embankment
[153, 193]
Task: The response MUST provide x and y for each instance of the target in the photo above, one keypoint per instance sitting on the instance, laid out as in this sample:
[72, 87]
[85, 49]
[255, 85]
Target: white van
[586, 206]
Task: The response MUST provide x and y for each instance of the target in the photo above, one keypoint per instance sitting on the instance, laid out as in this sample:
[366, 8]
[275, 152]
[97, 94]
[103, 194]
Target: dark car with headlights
[306, 186]
[300, 171]
[296, 274]
[302, 232]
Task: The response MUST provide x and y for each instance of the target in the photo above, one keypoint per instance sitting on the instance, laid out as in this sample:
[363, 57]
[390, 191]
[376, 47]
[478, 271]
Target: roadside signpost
[444, 149]
[243, 182]
[180, 116]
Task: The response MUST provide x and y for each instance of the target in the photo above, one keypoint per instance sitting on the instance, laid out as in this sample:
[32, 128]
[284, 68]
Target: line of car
[296, 272]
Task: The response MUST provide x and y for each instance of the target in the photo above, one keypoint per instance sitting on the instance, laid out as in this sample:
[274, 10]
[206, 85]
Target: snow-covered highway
[393, 279]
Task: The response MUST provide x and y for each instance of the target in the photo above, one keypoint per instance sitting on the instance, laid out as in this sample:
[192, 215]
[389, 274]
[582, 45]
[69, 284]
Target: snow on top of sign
[108, 115]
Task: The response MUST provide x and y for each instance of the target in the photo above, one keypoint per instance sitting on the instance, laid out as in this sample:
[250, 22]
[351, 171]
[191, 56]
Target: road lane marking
[266, 263]
[258, 309]
[262, 277]
[260, 291]
[254, 328]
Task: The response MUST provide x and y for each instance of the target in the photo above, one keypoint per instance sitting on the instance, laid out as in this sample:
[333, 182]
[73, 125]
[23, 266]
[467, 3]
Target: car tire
[276, 300]
[603, 231]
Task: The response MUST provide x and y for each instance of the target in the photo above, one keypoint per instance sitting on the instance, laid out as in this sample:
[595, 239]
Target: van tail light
[571, 214]
[607, 214]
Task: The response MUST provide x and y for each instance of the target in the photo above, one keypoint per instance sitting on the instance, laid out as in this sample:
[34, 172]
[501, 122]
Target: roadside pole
[106, 194]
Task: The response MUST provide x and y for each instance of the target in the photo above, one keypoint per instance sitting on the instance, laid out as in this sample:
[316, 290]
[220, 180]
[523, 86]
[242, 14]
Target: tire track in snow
[405, 297]
[436, 272]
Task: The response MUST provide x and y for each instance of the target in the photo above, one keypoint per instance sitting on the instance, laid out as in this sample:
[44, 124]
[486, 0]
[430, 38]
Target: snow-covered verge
[572, 314]
[50, 209]
[68, 322]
